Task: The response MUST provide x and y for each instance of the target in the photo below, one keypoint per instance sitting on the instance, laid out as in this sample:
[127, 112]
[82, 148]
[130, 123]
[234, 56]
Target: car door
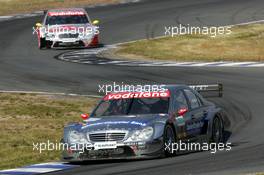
[196, 114]
[179, 103]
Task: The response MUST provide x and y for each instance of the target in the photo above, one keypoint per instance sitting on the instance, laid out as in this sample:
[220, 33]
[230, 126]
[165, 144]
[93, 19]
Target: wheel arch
[159, 128]
[173, 128]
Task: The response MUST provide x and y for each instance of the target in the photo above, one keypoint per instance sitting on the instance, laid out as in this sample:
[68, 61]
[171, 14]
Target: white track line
[257, 65]
[232, 64]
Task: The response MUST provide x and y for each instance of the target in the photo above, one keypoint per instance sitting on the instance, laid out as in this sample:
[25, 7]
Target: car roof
[67, 9]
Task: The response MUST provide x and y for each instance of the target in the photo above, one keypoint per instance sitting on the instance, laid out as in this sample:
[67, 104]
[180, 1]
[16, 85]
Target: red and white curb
[38, 169]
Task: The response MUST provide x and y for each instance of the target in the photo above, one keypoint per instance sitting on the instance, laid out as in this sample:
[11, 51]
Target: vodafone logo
[65, 13]
[127, 95]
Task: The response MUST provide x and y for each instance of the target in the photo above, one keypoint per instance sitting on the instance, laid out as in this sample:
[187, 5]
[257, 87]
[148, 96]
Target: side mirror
[85, 116]
[38, 25]
[95, 22]
[182, 111]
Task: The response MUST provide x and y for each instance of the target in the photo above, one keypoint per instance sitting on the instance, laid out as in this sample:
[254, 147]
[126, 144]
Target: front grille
[107, 136]
[68, 35]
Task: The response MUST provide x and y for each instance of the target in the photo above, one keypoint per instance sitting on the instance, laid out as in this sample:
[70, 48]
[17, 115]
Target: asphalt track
[24, 67]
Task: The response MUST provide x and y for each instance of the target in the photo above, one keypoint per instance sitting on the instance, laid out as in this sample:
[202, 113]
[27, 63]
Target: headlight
[76, 137]
[141, 135]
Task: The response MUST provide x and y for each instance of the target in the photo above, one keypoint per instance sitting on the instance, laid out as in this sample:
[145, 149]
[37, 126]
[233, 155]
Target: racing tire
[48, 44]
[217, 131]
[169, 139]
[42, 43]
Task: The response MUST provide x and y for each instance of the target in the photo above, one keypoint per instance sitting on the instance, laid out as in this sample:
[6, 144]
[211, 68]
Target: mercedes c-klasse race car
[129, 125]
[66, 28]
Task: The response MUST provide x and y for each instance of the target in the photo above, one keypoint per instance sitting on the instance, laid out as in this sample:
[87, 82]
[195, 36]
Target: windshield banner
[69, 13]
[127, 95]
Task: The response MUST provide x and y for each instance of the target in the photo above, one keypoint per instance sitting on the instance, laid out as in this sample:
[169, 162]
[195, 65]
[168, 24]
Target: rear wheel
[217, 131]
[169, 139]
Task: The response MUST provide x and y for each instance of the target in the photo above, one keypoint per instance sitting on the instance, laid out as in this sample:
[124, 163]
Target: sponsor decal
[70, 13]
[138, 123]
[195, 125]
[115, 123]
[199, 87]
[180, 121]
[127, 95]
[105, 145]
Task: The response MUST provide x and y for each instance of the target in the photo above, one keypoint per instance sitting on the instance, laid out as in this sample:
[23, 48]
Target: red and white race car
[66, 28]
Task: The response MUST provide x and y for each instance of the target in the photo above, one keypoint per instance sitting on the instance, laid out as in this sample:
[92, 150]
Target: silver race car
[129, 125]
[67, 28]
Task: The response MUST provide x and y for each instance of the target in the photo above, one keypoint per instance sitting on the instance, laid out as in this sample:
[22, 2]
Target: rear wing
[209, 90]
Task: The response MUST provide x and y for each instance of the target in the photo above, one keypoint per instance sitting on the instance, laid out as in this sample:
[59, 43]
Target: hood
[127, 122]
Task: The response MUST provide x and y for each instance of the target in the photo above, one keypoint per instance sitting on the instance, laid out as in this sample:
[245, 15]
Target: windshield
[67, 19]
[132, 106]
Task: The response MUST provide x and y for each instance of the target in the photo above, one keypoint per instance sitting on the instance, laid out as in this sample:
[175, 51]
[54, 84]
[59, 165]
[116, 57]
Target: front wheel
[49, 44]
[169, 139]
[42, 43]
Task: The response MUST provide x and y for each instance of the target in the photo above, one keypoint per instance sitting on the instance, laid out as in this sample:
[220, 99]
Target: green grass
[8, 7]
[245, 43]
[25, 119]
